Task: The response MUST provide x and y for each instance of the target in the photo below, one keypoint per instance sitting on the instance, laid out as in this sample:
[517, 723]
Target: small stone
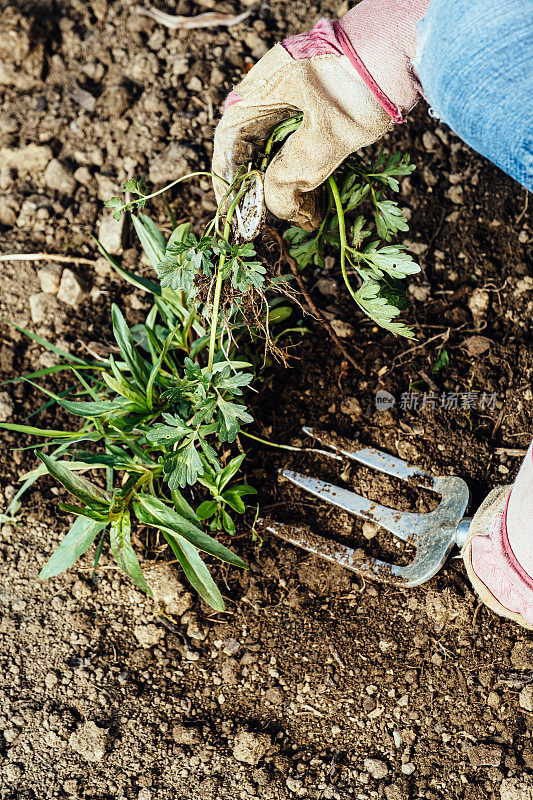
[478, 303]
[327, 287]
[522, 655]
[430, 141]
[343, 329]
[58, 178]
[351, 407]
[174, 162]
[111, 234]
[32, 158]
[370, 529]
[476, 345]
[107, 187]
[526, 698]
[251, 747]
[231, 647]
[6, 407]
[196, 631]
[484, 755]
[71, 289]
[455, 194]
[148, 635]
[397, 738]
[13, 773]
[420, 293]
[8, 215]
[89, 741]
[195, 85]
[255, 44]
[83, 176]
[493, 700]
[274, 695]
[520, 788]
[49, 278]
[183, 735]
[167, 589]
[408, 768]
[50, 680]
[42, 307]
[376, 768]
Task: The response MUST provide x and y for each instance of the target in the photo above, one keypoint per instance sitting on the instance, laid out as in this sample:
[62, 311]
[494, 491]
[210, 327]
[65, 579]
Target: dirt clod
[89, 741]
[250, 747]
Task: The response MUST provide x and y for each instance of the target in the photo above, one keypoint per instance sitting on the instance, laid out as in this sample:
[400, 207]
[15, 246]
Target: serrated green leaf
[378, 309]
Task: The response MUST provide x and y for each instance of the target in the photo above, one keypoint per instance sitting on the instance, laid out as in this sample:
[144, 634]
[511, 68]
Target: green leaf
[137, 366]
[90, 409]
[124, 389]
[83, 511]
[152, 243]
[85, 491]
[136, 280]
[389, 219]
[230, 470]
[195, 570]
[207, 509]
[76, 466]
[48, 345]
[152, 511]
[368, 297]
[46, 432]
[77, 541]
[183, 466]
[230, 416]
[391, 260]
[124, 553]
[442, 361]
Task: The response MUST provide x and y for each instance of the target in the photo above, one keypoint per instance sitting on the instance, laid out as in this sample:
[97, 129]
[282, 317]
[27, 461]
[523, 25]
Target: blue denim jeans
[475, 63]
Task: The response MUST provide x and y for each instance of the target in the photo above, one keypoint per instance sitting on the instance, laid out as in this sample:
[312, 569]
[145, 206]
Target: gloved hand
[498, 553]
[352, 79]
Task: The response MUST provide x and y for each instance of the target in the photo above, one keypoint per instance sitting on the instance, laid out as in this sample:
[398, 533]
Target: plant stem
[218, 284]
[342, 233]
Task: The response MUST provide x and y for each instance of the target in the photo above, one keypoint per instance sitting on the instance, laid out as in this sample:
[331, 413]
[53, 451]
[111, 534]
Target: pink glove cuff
[495, 564]
[330, 38]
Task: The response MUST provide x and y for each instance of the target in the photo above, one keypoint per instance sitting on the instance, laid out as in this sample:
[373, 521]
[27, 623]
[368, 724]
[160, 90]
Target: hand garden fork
[433, 534]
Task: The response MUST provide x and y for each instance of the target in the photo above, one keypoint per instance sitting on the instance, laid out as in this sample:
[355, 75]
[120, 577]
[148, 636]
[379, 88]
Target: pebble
[526, 698]
[376, 768]
[351, 407]
[370, 529]
[71, 289]
[174, 162]
[520, 788]
[148, 635]
[255, 44]
[231, 647]
[6, 407]
[57, 177]
[167, 589]
[343, 329]
[83, 176]
[42, 307]
[493, 700]
[409, 768]
[111, 233]
[478, 303]
[8, 214]
[522, 655]
[183, 735]
[249, 748]
[274, 695]
[327, 287]
[50, 680]
[484, 755]
[32, 158]
[49, 278]
[455, 194]
[430, 141]
[89, 741]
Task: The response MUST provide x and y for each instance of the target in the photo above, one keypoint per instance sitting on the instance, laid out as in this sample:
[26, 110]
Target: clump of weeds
[158, 421]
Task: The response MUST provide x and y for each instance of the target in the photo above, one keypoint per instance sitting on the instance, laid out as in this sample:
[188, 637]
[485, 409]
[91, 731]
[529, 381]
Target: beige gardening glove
[351, 78]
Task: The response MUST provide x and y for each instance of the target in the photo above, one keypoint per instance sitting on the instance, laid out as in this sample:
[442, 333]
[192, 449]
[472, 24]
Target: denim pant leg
[475, 63]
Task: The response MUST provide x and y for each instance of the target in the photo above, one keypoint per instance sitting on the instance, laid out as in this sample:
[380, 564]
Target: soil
[316, 683]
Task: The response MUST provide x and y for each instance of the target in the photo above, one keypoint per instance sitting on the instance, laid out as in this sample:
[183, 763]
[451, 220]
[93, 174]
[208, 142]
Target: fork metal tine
[402, 523]
[375, 459]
